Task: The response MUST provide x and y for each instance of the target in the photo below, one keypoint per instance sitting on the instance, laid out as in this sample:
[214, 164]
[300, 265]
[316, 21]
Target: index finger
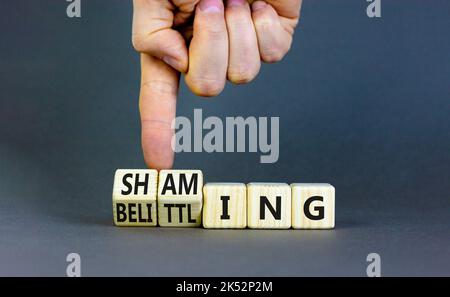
[157, 106]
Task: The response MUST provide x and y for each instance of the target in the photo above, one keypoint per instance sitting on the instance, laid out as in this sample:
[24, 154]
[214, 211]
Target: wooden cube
[269, 205]
[134, 197]
[180, 198]
[313, 206]
[225, 205]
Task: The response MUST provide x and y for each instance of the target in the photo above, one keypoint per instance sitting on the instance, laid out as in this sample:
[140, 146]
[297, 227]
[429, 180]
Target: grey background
[363, 104]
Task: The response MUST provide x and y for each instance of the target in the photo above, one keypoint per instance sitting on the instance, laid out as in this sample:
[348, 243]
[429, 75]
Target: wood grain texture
[313, 206]
[225, 205]
[180, 198]
[134, 197]
[269, 205]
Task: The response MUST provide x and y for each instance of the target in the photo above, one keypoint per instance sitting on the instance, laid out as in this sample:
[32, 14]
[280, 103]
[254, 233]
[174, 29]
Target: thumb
[153, 33]
[157, 106]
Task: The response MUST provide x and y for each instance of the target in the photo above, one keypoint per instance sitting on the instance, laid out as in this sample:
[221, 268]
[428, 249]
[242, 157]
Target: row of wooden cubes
[177, 198]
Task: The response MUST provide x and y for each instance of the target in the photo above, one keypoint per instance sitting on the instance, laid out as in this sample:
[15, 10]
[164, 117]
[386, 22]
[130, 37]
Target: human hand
[227, 43]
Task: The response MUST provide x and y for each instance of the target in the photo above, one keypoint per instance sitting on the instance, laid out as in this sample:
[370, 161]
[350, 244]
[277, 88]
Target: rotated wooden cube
[225, 205]
[134, 197]
[313, 206]
[180, 198]
[269, 205]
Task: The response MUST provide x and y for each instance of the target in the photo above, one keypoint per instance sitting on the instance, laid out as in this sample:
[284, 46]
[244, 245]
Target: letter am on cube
[180, 198]
[177, 198]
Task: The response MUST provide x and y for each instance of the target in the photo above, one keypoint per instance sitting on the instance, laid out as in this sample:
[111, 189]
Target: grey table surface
[364, 104]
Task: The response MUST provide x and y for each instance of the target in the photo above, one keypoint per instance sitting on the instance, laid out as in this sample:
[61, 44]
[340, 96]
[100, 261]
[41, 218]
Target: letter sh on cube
[134, 197]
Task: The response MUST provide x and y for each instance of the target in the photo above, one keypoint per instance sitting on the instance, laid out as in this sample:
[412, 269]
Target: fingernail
[170, 61]
[211, 5]
[231, 3]
[258, 5]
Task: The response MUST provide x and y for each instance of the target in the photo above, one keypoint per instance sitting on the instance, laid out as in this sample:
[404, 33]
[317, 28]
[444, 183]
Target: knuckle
[273, 53]
[213, 30]
[138, 43]
[159, 87]
[206, 87]
[215, 33]
[241, 75]
[272, 56]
